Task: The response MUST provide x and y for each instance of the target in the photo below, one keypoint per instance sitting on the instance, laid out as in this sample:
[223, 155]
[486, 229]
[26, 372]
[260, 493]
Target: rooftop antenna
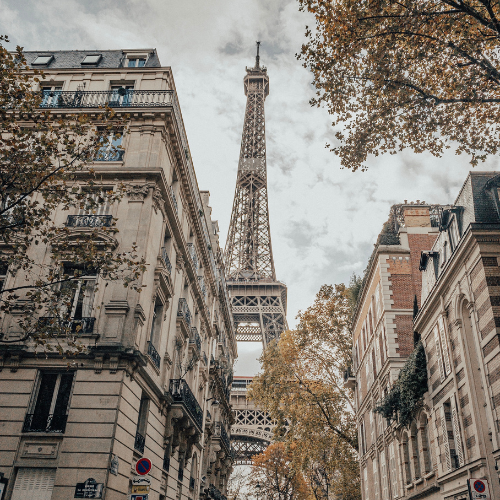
[257, 59]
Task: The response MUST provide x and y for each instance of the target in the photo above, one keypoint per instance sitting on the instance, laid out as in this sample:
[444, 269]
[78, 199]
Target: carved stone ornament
[158, 201]
[98, 361]
[179, 262]
[137, 192]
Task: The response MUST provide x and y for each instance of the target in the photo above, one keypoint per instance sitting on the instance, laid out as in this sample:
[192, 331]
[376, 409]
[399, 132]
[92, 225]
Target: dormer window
[92, 59]
[136, 62]
[42, 60]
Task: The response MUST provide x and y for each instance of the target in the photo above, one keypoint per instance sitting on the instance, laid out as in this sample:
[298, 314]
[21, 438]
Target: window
[362, 437]
[415, 455]
[49, 412]
[111, 148]
[92, 59]
[383, 472]
[95, 203]
[442, 353]
[136, 62]
[406, 459]
[424, 443]
[121, 95]
[452, 441]
[142, 423]
[445, 253]
[393, 471]
[77, 296]
[35, 483]
[51, 96]
[42, 60]
[375, 479]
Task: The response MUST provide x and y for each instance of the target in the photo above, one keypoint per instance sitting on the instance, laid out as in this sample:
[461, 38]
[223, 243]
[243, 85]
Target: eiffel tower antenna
[258, 299]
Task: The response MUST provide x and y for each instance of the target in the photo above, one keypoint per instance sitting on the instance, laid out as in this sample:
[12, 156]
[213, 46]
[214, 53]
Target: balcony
[89, 220]
[166, 260]
[215, 494]
[82, 326]
[153, 355]
[195, 339]
[139, 443]
[40, 423]
[220, 433]
[123, 98]
[349, 379]
[181, 393]
[184, 312]
[110, 155]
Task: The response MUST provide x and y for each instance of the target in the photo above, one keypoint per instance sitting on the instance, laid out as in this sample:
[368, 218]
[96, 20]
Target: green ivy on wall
[406, 395]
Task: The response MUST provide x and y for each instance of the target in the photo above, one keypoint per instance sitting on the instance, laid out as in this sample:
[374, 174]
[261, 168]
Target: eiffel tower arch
[258, 299]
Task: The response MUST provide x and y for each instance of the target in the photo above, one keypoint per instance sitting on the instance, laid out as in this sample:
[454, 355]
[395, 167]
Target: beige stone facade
[455, 436]
[156, 381]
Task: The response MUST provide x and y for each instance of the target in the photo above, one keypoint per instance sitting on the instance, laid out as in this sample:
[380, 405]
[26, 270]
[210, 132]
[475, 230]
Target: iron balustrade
[50, 423]
[181, 393]
[214, 493]
[192, 254]
[183, 311]
[123, 98]
[139, 442]
[174, 199]
[105, 154]
[81, 326]
[220, 432]
[153, 355]
[166, 260]
[195, 338]
[89, 220]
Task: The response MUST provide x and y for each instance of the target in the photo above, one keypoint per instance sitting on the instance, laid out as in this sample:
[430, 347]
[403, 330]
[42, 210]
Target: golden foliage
[419, 74]
[302, 388]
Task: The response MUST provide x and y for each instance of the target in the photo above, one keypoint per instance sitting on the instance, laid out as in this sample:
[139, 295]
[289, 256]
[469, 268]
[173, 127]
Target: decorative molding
[158, 201]
[179, 262]
[40, 450]
[113, 364]
[14, 362]
[98, 362]
[137, 192]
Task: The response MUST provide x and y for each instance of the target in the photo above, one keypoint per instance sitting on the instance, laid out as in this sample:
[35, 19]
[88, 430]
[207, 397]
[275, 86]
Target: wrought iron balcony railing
[109, 155]
[214, 493]
[174, 199]
[139, 442]
[123, 98]
[45, 423]
[181, 393]
[220, 432]
[183, 311]
[80, 326]
[153, 355]
[89, 220]
[192, 254]
[166, 260]
[195, 338]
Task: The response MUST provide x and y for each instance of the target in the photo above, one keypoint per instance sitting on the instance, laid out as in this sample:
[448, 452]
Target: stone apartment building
[438, 282]
[156, 381]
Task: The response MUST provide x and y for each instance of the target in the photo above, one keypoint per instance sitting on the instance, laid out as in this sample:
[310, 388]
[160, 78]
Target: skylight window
[42, 60]
[92, 59]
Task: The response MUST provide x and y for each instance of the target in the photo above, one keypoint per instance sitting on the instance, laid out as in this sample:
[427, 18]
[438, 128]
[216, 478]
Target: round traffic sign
[479, 486]
[143, 466]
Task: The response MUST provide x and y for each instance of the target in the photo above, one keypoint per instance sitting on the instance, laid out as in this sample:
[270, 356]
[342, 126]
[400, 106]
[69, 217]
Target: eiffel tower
[258, 298]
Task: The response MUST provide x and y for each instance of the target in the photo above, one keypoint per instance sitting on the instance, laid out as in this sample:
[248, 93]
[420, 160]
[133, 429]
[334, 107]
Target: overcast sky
[324, 220]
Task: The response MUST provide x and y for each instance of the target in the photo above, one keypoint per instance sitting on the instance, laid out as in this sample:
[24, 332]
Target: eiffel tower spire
[259, 300]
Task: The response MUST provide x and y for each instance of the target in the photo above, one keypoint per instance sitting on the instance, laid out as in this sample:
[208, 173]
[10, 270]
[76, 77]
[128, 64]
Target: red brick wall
[404, 331]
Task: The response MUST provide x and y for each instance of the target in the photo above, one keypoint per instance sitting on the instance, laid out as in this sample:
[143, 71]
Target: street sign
[89, 489]
[143, 466]
[478, 489]
[141, 488]
[141, 480]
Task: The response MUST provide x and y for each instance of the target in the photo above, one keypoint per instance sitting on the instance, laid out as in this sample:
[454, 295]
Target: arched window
[415, 455]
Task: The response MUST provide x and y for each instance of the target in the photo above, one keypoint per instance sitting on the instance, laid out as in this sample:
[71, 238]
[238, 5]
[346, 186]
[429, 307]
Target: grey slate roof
[66, 59]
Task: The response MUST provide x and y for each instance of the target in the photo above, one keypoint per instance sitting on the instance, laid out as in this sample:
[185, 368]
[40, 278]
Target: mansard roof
[72, 59]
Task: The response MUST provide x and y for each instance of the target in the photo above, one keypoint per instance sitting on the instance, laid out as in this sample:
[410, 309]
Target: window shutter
[456, 431]
[446, 442]
[34, 483]
[438, 353]
[444, 346]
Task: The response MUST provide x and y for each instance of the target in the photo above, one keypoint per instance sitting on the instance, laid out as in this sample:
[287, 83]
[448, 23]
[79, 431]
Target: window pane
[141, 62]
[93, 59]
[42, 60]
[44, 401]
[131, 63]
[62, 400]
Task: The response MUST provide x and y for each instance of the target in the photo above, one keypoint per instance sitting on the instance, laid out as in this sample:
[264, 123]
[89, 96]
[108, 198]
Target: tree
[302, 388]
[275, 477]
[46, 164]
[237, 485]
[419, 74]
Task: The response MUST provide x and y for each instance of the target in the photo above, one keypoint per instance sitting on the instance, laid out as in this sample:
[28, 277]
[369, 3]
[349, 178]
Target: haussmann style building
[155, 383]
[434, 277]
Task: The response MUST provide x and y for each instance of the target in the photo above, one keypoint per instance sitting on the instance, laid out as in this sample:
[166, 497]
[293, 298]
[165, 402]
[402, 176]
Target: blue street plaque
[89, 489]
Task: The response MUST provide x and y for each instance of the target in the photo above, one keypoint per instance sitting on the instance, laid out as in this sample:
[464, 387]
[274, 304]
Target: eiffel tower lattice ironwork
[258, 298]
